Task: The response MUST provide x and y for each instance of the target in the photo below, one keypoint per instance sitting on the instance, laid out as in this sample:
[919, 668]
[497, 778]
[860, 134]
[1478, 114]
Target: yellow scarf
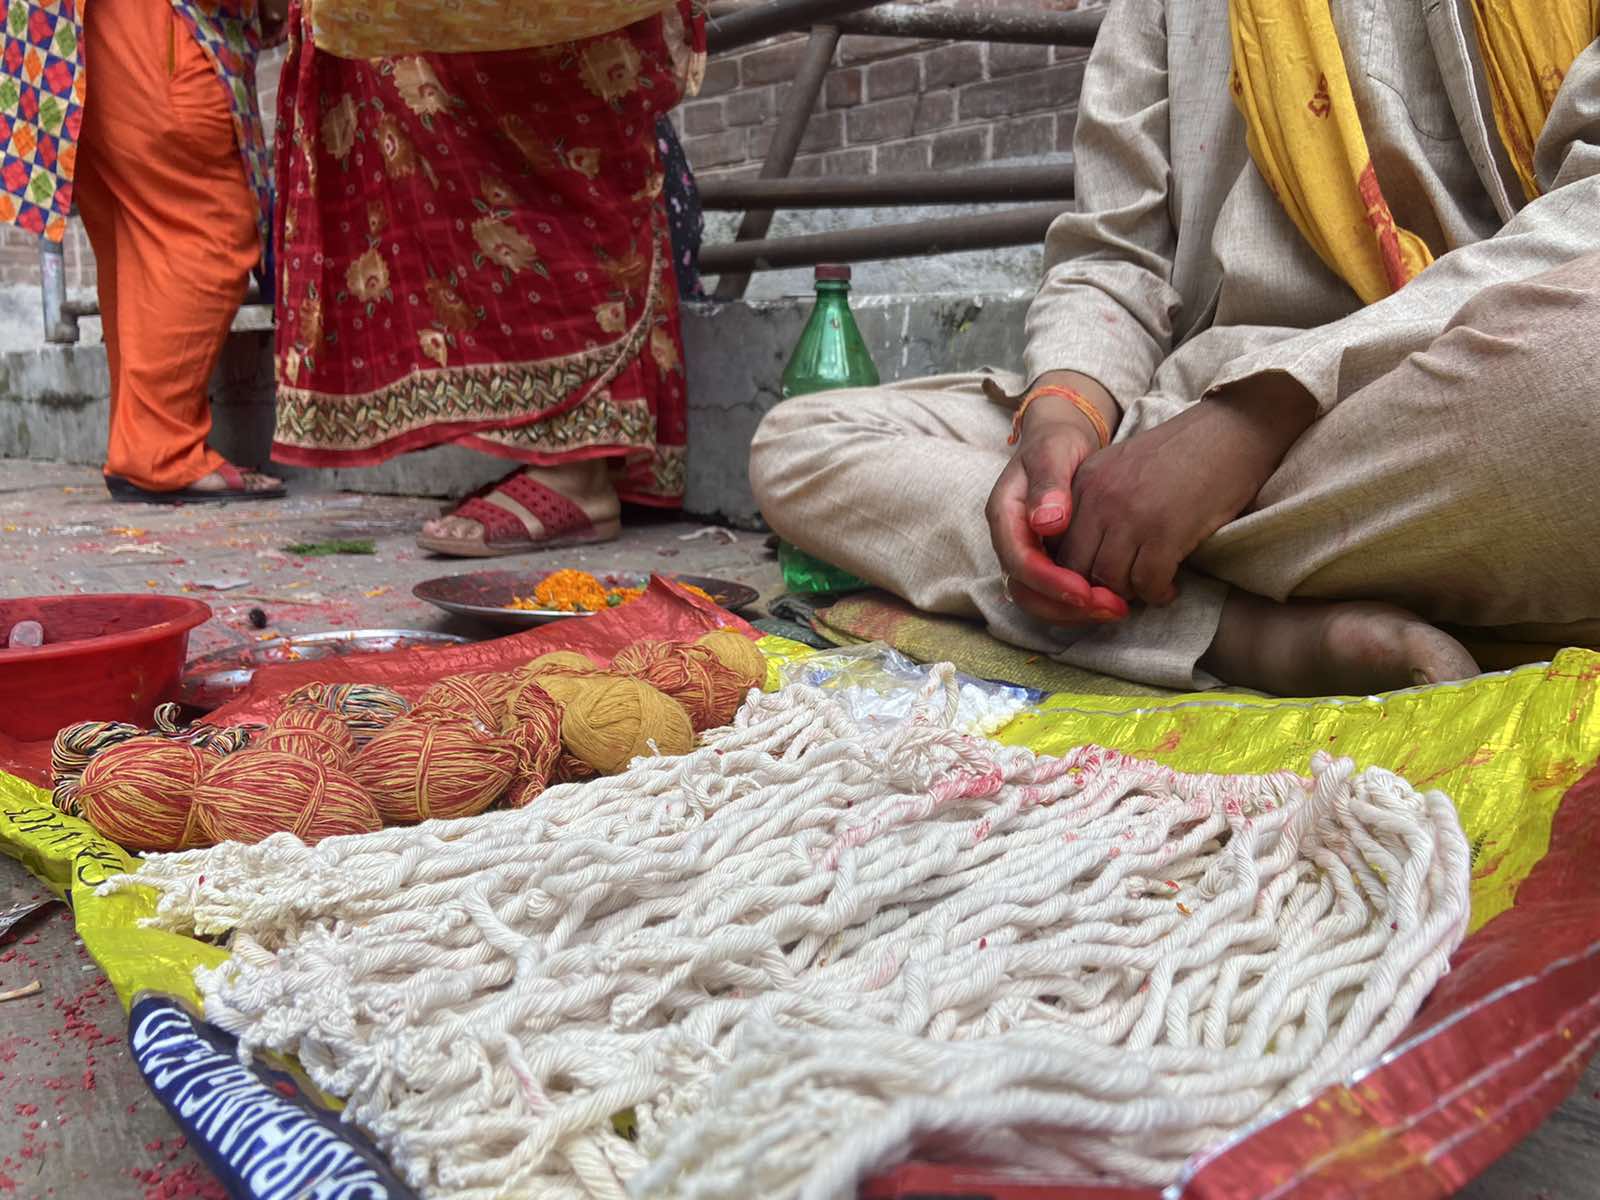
[1290, 84]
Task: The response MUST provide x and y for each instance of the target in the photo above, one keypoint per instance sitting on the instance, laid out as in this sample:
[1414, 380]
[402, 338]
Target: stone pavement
[75, 1119]
[60, 532]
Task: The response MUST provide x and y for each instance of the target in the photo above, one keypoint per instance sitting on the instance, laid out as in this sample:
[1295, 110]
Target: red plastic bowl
[104, 658]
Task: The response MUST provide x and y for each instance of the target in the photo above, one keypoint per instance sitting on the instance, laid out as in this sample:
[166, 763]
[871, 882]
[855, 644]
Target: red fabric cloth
[474, 251]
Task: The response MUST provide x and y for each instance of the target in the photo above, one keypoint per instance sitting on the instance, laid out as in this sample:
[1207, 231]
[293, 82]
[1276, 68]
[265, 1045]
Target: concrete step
[54, 399]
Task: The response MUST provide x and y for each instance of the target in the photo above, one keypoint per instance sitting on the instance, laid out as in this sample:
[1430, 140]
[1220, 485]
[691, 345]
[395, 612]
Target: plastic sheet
[1496, 1047]
[879, 685]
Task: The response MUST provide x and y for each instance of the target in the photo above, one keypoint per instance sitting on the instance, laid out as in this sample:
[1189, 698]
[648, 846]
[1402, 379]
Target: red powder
[190, 1181]
[27, 1110]
[7, 1184]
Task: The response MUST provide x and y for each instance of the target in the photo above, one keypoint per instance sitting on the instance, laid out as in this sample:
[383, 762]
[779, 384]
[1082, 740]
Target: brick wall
[890, 104]
[19, 250]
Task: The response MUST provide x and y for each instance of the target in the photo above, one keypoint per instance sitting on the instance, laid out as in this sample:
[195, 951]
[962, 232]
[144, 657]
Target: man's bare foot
[254, 481]
[1356, 648]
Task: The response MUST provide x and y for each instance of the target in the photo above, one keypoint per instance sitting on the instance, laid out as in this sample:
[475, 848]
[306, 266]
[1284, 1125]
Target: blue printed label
[255, 1127]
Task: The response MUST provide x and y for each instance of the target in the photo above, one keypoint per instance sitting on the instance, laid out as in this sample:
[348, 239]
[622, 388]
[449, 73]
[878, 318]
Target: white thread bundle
[803, 950]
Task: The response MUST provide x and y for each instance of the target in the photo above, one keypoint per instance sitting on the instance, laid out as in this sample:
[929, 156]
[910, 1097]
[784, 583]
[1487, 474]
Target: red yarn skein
[254, 793]
[534, 725]
[306, 731]
[692, 675]
[481, 697]
[140, 793]
[422, 769]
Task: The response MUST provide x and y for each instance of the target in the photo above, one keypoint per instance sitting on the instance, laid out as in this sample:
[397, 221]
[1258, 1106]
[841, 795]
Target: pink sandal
[519, 515]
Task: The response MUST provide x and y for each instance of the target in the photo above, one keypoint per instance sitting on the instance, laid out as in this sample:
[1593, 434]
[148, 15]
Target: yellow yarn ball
[563, 687]
[738, 653]
[611, 720]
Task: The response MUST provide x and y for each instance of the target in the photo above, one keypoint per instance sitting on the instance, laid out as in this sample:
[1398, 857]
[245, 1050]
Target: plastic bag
[882, 686]
[804, 573]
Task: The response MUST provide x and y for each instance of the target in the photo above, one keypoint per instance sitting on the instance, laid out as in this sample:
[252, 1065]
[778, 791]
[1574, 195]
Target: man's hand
[1032, 503]
[1143, 506]
[274, 17]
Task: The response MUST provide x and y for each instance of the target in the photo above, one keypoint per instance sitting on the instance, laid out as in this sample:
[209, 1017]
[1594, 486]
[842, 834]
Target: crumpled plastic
[880, 686]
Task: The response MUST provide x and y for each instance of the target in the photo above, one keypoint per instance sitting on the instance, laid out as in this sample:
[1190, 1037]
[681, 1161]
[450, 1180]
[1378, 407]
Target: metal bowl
[486, 595]
[214, 679]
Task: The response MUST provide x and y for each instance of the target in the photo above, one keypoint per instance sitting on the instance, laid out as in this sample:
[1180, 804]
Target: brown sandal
[520, 515]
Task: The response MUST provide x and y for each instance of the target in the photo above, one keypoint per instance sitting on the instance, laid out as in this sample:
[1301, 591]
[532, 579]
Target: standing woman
[474, 252]
[143, 114]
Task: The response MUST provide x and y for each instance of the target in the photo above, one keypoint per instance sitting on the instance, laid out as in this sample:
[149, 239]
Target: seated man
[1310, 375]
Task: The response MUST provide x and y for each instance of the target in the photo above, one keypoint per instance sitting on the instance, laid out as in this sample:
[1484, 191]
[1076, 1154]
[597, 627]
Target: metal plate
[484, 595]
[214, 679]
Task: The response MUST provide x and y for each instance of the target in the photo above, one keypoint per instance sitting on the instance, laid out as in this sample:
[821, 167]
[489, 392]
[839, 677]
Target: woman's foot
[226, 483]
[1356, 648]
[248, 481]
[534, 508]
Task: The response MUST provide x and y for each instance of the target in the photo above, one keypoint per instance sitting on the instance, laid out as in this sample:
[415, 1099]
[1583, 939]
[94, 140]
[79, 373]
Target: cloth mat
[879, 617]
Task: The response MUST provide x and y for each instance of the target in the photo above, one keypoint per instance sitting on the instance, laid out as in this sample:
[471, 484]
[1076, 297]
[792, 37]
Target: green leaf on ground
[332, 546]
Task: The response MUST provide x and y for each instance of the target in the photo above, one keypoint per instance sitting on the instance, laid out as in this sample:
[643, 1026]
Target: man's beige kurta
[1447, 470]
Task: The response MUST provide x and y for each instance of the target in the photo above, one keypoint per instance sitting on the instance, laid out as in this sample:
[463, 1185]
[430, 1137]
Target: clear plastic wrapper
[882, 686]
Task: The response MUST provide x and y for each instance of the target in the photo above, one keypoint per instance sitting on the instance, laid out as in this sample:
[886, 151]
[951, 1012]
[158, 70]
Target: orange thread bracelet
[1077, 400]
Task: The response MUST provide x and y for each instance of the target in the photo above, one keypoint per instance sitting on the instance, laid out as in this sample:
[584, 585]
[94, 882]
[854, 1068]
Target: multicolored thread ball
[613, 720]
[140, 793]
[420, 769]
[479, 697]
[255, 793]
[307, 731]
[367, 708]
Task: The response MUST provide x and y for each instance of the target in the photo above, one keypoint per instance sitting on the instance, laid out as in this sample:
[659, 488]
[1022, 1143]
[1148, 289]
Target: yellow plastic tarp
[71, 859]
[1504, 747]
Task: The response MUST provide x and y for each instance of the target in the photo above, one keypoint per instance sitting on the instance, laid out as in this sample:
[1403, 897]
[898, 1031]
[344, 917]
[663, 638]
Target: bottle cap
[833, 273]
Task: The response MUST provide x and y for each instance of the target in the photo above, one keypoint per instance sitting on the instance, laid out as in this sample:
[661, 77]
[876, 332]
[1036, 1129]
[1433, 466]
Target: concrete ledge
[54, 406]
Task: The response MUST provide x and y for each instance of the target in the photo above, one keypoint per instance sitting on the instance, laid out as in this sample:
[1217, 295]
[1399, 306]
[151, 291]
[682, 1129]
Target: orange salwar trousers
[162, 193]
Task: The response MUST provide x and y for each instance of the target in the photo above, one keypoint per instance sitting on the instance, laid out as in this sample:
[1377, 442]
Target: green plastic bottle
[830, 354]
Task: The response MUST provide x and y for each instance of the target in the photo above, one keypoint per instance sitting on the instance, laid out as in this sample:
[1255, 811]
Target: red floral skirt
[473, 251]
